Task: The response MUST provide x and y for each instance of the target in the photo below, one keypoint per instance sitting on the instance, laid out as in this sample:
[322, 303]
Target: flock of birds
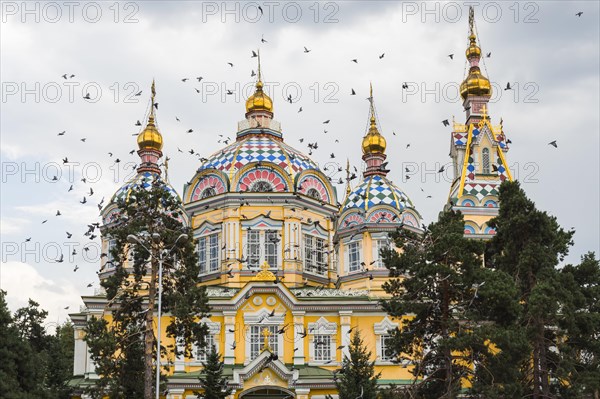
[91, 233]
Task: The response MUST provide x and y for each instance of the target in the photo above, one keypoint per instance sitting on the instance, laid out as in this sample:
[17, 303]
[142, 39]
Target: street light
[133, 239]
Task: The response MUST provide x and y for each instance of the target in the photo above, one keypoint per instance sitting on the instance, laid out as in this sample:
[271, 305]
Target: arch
[203, 180]
[351, 219]
[273, 178]
[469, 229]
[313, 179]
[490, 204]
[467, 202]
[410, 219]
[269, 391]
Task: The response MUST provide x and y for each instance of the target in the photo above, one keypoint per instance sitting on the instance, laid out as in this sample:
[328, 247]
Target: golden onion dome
[150, 138]
[473, 50]
[373, 142]
[259, 101]
[475, 84]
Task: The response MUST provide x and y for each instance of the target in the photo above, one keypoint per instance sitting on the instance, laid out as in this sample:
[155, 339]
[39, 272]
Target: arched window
[314, 193]
[485, 160]
[208, 192]
[261, 187]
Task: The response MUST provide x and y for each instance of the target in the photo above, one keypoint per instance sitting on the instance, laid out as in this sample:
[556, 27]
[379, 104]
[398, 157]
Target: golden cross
[266, 334]
[484, 114]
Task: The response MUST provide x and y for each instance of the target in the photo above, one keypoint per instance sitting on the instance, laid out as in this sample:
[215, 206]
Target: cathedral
[260, 201]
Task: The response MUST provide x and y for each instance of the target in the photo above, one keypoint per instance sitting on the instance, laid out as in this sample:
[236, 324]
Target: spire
[373, 144]
[348, 188]
[475, 84]
[150, 141]
[259, 101]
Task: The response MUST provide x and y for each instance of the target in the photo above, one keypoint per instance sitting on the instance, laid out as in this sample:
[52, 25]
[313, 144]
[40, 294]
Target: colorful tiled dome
[145, 180]
[377, 190]
[266, 148]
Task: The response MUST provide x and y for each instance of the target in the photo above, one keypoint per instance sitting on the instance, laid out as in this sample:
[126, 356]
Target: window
[381, 244]
[314, 193]
[315, 260]
[485, 161]
[208, 192]
[110, 259]
[262, 246]
[261, 187]
[208, 253]
[202, 352]
[257, 340]
[353, 257]
[387, 353]
[322, 345]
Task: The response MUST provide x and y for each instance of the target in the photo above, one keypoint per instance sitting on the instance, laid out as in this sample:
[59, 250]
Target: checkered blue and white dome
[377, 190]
[144, 180]
[258, 149]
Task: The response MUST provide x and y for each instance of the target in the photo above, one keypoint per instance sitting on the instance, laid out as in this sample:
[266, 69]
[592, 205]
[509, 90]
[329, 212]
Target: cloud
[23, 282]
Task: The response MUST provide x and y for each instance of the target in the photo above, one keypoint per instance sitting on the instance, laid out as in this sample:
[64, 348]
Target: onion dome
[377, 190]
[475, 83]
[373, 142]
[150, 137]
[259, 101]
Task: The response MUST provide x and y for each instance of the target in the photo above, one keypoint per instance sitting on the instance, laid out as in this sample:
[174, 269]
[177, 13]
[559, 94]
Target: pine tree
[214, 385]
[579, 371]
[457, 305]
[127, 345]
[358, 378]
[528, 246]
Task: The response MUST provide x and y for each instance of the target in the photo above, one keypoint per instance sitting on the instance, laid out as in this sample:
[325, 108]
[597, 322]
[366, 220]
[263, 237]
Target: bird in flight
[441, 169]
[326, 122]
[87, 96]
[230, 64]
[355, 60]
[445, 122]
[300, 109]
[451, 56]
[139, 93]
[62, 133]
[306, 50]
[579, 13]
[254, 55]
[262, 39]
[508, 86]
[553, 144]
[352, 93]
[185, 79]
[382, 55]
[488, 55]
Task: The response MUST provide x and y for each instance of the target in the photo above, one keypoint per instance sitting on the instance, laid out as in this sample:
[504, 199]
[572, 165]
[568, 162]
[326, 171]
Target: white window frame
[110, 244]
[383, 341]
[348, 257]
[380, 242]
[261, 319]
[209, 263]
[321, 328]
[322, 347]
[257, 341]
[312, 252]
[382, 331]
[267, 250]
[201, 354]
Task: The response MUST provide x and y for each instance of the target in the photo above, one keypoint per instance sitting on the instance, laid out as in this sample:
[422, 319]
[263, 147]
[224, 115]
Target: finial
[259, 75]
[153, 95]
[471, 21]
[372, 105]
[348, 189]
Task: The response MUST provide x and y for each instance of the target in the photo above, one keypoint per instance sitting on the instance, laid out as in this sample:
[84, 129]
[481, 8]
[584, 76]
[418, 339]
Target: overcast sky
[548, 54]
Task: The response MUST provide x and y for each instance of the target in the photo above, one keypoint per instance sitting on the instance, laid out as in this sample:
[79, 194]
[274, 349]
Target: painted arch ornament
[313, 187]
[262, 179]
[208, 185]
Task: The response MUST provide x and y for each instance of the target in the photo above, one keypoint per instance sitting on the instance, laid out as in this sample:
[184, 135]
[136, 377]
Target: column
[298, 342]
[80, 351]
[229, 326]
[345, 319]
[302, 393]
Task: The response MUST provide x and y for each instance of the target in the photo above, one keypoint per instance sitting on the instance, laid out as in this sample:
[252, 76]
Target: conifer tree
[126, 346]
[528, 246]
[457, 305]
[214, 384]
[357, 377]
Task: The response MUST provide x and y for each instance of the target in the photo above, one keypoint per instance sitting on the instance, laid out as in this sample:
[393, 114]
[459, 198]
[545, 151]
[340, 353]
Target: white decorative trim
[220, 292]
[262, 317]
[318, 292]
[322, 327]
[383, 327]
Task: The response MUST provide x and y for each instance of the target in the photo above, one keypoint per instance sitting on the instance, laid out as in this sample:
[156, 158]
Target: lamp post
[156, 239]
